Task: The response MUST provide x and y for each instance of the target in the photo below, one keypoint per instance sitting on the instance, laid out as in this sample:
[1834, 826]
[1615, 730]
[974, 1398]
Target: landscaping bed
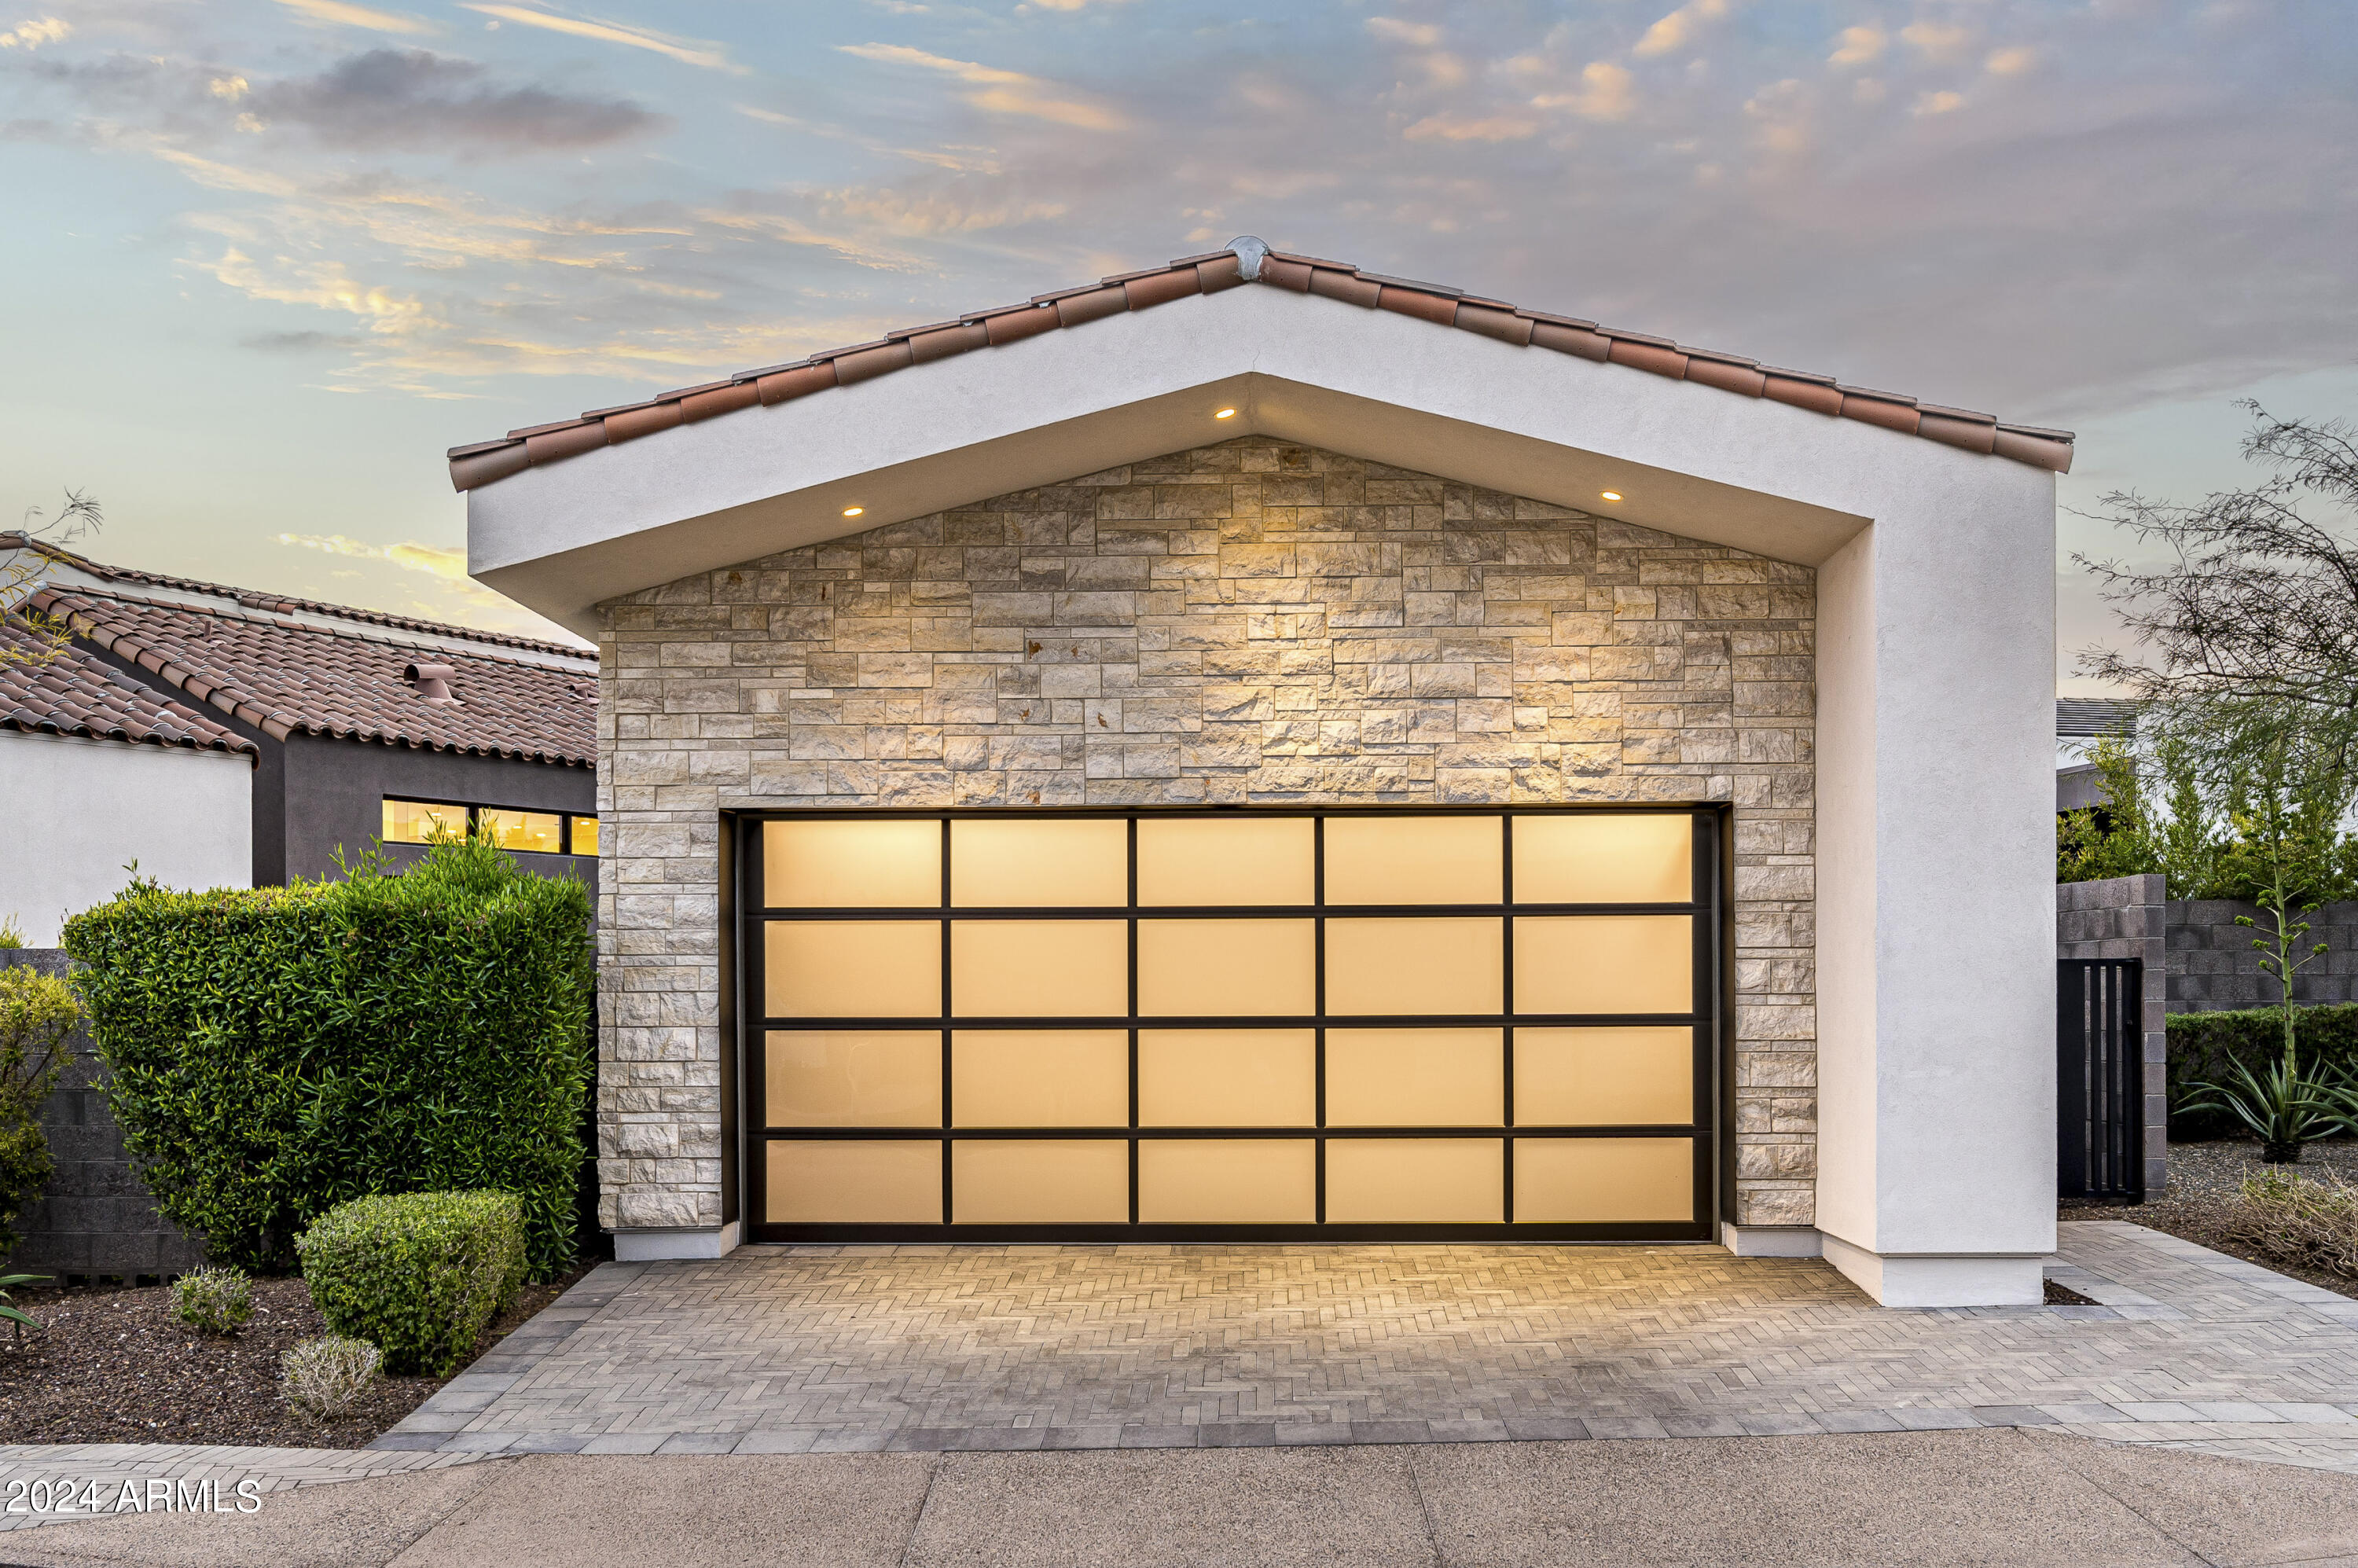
[111, 1364]
[2206, 1186]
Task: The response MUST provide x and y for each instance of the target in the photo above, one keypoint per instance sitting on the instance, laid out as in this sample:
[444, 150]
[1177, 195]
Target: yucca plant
[16, 1317]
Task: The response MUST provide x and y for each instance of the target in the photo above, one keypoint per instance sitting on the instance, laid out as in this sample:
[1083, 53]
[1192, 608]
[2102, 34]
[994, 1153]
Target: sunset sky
[267, 260]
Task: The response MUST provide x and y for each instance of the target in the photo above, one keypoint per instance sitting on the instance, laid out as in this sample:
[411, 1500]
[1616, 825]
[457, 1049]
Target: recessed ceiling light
[1612, 495]
[1225, 414]
[856, 511]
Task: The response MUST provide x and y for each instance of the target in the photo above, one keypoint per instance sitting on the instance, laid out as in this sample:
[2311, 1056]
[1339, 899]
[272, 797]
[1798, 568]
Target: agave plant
[16, 1317]
[2283, 1109]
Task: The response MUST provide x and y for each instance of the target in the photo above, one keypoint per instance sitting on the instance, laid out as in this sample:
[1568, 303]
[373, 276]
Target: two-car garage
[1276, 1023]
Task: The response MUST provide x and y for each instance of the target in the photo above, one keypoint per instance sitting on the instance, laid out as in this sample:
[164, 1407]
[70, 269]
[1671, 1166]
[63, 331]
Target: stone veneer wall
[1251, 622]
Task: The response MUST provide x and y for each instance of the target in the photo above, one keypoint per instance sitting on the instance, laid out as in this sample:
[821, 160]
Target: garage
[1230, 1023]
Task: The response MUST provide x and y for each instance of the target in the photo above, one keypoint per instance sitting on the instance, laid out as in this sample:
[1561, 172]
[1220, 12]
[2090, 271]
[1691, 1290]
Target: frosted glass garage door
[1283, 1024]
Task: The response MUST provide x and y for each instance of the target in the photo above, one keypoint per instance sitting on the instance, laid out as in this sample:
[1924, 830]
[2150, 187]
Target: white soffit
[1690, 460]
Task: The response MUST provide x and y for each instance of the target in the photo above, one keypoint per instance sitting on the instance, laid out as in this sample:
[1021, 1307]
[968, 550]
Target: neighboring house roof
[2090, 716]
[486, 462]
[286, 675]
[50, 690]
[254, 598]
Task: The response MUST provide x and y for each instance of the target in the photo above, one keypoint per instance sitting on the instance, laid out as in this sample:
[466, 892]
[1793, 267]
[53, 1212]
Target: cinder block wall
[2213, 966]
[94, 1216]
[1252, 622]
[2123, 917]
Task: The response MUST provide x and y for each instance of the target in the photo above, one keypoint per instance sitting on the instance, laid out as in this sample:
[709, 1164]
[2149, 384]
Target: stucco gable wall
[1251, 622]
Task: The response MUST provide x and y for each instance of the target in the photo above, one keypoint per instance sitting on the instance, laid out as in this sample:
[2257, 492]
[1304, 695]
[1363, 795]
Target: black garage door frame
[742, 916]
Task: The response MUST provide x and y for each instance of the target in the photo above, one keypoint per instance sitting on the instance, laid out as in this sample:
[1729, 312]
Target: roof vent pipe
[1249, 250]
[432, 681]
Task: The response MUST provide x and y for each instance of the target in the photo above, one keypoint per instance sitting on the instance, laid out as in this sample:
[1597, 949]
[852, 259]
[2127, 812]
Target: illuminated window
[510, 827]
[540, 832]
[420, 822]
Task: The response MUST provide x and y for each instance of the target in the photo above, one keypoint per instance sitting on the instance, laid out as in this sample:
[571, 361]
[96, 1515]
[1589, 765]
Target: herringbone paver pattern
[795, 1349]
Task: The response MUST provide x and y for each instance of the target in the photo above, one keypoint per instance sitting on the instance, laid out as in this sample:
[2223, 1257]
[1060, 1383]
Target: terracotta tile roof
[73, 692]
[486, 462]
[254, 598]
[284, 677]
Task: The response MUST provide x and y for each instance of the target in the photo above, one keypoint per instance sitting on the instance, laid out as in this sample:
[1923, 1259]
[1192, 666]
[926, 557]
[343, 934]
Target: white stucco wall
[79, 811]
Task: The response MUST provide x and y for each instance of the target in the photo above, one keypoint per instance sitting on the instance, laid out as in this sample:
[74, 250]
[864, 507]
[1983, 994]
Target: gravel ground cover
[111, 1364]
[2206, 1186]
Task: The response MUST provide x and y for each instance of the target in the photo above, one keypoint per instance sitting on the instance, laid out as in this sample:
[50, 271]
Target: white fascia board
[1692, 460]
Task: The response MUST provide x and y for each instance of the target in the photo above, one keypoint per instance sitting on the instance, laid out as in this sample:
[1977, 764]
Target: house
[345, 726]
[1255, 748]
[87, 756]
[2080, 723]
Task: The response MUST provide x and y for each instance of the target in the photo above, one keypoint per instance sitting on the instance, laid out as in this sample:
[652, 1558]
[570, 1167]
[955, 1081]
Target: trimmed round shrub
[419, 1275]
[321, 1378]
[37, 1013]
[213, 1301]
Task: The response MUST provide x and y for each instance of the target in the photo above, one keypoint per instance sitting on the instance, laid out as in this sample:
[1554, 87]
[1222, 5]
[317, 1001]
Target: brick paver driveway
[793, 1349]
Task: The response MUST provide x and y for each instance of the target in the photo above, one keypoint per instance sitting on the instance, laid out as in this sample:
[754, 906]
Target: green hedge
[418, 1275]
[274, 1052]
[2202, 1044]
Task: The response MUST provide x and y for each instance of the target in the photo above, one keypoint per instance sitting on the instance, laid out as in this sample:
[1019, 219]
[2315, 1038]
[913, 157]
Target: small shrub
[2306, 1223]
[37, 1013]
[420, 1275]
[323, 1377]
[213, 1301]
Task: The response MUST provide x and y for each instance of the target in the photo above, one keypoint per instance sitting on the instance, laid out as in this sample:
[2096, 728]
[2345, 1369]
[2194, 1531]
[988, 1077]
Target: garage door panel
[1039, 1180]
[1228, 1180]
[837, 1078]
[1604, 1181]
[1043, 862]
[1227, 860]
[836, 862]
[1415, 965]
[1415, 1077]
[1605, 859]
[1413, 859]
[1604, 964]
[875, 1181]
[854, 969]
[1039, 1077]
[1415, 1181]
[1040, 968]
[1227, 968]
[1228, 1077]
[1604, 1077]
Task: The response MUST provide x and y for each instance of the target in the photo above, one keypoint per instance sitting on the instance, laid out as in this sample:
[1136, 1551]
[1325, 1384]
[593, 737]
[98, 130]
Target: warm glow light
[1225, 414]
[1612, 495]
[856, 511]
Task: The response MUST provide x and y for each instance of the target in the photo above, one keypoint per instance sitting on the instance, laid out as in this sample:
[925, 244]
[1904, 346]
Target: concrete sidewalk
[1990, 1497]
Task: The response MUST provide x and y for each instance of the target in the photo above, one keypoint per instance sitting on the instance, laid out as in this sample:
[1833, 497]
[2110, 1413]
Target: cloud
[336, 13]
[1858, 46]
[1935, 40]
[688, 51]
[1603, 94]
[1677, 30]
[393, 98]
[2010, 61]
[1930, 104]
[1450, 128]
[1416, 35]
[33, 35]
[1002, 91]
[297, 342]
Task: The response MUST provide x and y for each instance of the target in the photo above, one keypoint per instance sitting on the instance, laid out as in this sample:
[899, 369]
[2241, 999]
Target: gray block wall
[94, 1216]
[2213, 966]
[2126, 917]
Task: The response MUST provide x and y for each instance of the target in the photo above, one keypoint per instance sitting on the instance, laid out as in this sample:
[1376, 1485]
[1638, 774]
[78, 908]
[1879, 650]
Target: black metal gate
[2100, 1069]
